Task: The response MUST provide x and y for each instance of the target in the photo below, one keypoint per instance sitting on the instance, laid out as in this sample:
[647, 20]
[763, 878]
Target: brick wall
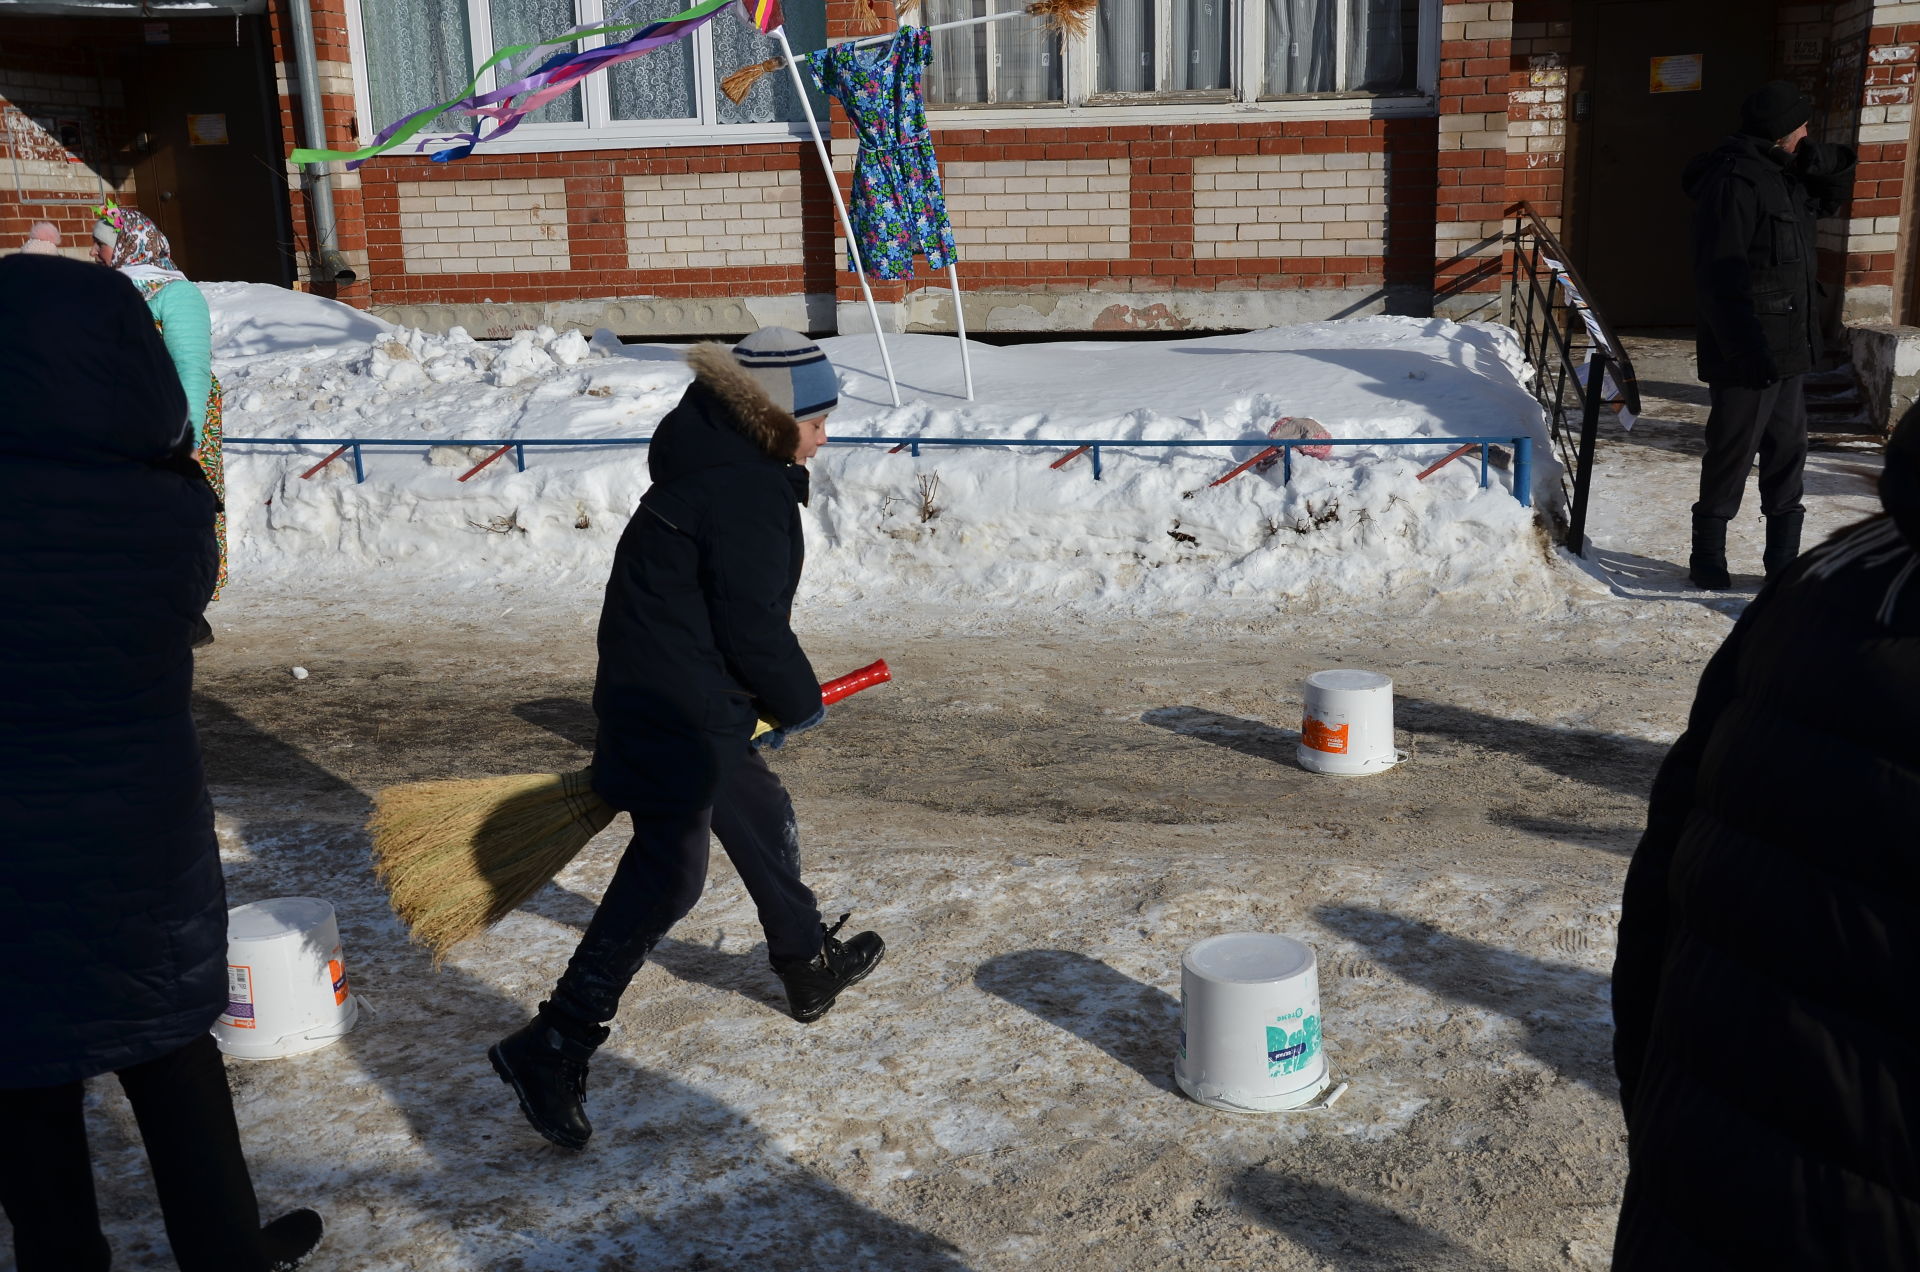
[1880, 68]
[62, 124]
[1476, 87]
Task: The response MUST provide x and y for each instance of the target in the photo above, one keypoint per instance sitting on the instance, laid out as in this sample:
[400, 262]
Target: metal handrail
[1623, 375]
[1564, 341]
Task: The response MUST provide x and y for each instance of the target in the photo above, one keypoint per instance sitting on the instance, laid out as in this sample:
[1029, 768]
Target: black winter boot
[813, 983]
[202, 632]
[1783, 541]
[1707, 567]
[288, 1240]
[545, 1062]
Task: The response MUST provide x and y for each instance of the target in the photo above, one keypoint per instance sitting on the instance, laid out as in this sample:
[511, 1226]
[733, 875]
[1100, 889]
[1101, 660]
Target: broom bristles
[459, 856]
[867, 18]
[737, 85]
[1069, 17]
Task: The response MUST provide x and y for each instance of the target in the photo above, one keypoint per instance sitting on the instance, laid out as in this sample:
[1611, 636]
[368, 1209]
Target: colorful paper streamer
[510, 104]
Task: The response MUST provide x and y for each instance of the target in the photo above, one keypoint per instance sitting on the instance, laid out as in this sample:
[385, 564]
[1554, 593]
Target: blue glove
[778, 738]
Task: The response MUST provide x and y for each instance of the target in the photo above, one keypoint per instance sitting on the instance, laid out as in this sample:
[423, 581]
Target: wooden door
[1663, 82]
[208, 167]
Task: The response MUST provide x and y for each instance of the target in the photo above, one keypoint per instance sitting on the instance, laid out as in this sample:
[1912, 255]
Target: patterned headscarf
[140, 250]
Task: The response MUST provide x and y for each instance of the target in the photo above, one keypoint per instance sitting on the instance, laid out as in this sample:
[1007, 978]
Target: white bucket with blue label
[1250, 1037]
[287, 990]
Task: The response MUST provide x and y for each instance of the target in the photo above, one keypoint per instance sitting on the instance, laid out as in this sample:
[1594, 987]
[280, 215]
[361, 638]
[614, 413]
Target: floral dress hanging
[897, 209]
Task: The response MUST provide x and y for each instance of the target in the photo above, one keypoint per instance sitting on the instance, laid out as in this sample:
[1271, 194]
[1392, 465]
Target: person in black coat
[696, 645]
[1757, 198]
[113, 915]
[1770, 933]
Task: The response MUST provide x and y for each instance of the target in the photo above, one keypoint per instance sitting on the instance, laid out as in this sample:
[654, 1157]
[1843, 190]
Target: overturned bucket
[1346, 724]
[1250, 1024]
[287, 989]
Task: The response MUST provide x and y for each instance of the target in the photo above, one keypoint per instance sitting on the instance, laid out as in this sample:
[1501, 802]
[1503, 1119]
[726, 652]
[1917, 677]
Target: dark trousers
[1769, 422]
[661, 876]
[185, 1111]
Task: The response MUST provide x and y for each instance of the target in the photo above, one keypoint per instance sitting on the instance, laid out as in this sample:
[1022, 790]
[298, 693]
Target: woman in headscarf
[130, 242]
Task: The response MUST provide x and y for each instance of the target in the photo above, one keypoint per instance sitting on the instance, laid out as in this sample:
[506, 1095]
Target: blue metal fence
[1522, 448]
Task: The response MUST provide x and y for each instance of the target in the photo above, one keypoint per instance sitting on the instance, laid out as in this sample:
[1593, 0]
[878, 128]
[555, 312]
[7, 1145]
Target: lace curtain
[523, 22]
[1013, 61]
[420, 51]
[771, 100]
[1381, 38]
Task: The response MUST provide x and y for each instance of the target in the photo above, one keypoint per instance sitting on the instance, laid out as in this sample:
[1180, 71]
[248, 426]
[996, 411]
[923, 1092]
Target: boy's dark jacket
[1754, 258]
[695, 638]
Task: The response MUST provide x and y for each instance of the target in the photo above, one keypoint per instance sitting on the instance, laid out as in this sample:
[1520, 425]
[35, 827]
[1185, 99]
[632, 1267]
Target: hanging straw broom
[459, 856]
[1069, 17]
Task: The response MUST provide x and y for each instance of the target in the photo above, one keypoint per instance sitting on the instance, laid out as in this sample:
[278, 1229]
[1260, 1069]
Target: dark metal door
[1649, 107]
[207, 166]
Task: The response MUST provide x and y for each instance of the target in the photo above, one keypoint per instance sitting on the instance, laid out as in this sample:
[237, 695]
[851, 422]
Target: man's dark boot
[545, 1062]
[813, 983]
[1783, 541]
[1707, 567]
[202, 632]
[288, 1240]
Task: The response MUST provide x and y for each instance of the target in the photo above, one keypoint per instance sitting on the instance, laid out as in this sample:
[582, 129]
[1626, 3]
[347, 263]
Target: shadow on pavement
[1565, 1010]
[1346, 1231]
[1131, 1021]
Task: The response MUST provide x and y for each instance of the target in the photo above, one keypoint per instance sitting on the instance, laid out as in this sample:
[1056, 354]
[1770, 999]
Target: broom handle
[875, 673]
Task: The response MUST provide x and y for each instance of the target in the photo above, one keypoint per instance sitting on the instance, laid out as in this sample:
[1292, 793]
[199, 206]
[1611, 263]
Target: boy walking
[695, 646]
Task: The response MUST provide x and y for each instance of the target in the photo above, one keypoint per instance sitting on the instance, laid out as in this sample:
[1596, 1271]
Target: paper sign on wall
[207, 130]
[1677, 74]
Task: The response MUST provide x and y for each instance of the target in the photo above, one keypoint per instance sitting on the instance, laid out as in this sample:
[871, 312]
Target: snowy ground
[1062, 790]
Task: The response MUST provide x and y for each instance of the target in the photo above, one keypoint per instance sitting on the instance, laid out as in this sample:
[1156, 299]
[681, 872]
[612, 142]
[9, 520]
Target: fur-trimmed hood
[749, 409]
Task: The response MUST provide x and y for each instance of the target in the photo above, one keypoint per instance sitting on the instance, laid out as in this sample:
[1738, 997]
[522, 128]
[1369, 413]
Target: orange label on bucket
[1318, 735]
[337, 970]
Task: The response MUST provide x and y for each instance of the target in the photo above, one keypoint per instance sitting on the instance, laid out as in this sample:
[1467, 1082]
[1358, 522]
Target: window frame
[1087, 105]
[597, 130]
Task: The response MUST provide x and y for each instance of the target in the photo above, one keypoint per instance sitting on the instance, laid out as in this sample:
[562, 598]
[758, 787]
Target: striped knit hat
[791, 370]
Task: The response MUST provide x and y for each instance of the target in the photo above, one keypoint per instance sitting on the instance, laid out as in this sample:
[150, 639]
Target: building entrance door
[1663, 81]
[208, 167]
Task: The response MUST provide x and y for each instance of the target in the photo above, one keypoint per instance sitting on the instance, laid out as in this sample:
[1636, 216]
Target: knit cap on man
[791, 370]
[1775, 110]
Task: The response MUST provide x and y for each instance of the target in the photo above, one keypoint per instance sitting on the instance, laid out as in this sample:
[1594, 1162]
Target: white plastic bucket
[287, 989]
[1346, 725]
[1250, 1024]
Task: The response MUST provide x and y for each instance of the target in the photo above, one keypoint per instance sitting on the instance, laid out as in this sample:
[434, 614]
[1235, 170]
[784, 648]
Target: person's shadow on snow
[1344, 1229]
[1565, 1010]
[672, 1179]
[1131, 1021]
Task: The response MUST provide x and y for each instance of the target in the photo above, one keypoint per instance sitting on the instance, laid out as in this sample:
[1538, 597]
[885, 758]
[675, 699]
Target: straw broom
[458, 856]
[1070, 17]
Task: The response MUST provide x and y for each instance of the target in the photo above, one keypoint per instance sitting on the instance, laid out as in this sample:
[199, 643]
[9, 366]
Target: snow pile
[950, 525]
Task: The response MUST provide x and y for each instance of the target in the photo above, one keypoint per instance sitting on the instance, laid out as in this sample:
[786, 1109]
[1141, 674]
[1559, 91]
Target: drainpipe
[328, 265]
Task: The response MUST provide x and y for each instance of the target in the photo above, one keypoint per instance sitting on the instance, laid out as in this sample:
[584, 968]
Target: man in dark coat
[1758, 197]
[1770, 935]
[696, 646]
[113, 915]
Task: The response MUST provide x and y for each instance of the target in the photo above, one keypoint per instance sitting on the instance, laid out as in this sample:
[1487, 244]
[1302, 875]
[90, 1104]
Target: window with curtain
[1013, 61]
[417, 52]
[1341, 46]
[1202, 49]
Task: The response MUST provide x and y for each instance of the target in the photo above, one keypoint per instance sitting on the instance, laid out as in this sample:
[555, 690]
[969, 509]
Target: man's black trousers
[1769, 422]
[661, 876]
[185, 1111]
